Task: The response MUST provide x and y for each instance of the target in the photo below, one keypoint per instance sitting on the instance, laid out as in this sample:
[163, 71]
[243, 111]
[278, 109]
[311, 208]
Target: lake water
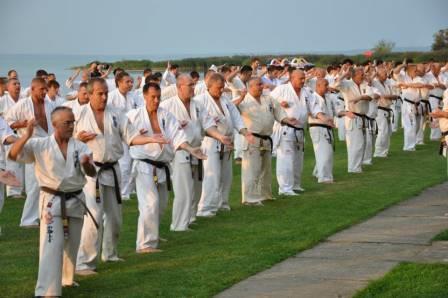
[26, 65]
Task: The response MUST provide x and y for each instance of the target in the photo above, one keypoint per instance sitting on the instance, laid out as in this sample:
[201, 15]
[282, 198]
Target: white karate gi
[24, 110]
[435, 100]
[291, 145]
[410, 111]
[236, 86]
[396, 104]
[354, 128]
[168, 92]
[153, 196]
[106, 148]
[323, 139]
[75, 106]
[340, 120]
[371, 130]
[57, 254]
[5, 132]
[125, 103]
[256, 175]
[186, 181]
[6, 103]
[384, 118]
[218, 165]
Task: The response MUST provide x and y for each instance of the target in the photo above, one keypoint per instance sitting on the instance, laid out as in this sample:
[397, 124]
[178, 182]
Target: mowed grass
[224, 250]
[410, 280]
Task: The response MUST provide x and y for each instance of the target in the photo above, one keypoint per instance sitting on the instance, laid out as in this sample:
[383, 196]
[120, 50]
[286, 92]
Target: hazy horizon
[204, 28]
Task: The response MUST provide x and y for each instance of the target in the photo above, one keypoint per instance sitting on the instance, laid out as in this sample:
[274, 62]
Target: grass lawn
[409, 280]
[234, 245]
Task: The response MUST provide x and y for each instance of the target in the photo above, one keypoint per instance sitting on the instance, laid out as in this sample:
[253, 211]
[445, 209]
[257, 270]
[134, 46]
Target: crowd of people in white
[78, 157]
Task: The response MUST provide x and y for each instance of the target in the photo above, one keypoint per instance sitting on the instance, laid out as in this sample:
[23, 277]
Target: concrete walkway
[347, 261]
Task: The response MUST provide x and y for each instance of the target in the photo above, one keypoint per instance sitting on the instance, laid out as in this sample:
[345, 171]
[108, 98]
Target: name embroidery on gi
[76, 159]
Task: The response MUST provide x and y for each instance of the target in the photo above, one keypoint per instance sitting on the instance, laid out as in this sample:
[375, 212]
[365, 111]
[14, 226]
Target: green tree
[440, 40]
[383, 47]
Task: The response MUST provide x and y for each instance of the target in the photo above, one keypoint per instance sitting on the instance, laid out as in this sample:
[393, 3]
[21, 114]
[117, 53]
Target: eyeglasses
[68, 123]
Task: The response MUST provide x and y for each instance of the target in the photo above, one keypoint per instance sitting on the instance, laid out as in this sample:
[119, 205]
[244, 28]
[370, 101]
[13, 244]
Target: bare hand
[197, 152]
[85, 136]
[330, 122]
[437, 113]
[284, 104]
[160, 139]
[292, 121]
[226, 140]
[30, 127]
[86, 159]
[250, 138]
[350, 115]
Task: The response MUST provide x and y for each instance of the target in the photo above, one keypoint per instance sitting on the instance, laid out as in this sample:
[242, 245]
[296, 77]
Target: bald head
[63, 122]
[185, 86]
[321, 86]
[297, 79]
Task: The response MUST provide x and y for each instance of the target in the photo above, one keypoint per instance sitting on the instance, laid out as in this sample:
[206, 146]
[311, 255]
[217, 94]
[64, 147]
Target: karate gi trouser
[216, 183]
[30, 214]
[370, 142]
[436, 134]
[152, 202]
[411, 123]
[421, 124]
[340, 123]
[256, 174]
[127, 180]
[238, 142]
[356, 142]
[19, 171]
[187, 191]
[289, 165]
[108, 215]
[397, 117]
[323, 152]
[2, 197]
[57, 255]
[382, 142]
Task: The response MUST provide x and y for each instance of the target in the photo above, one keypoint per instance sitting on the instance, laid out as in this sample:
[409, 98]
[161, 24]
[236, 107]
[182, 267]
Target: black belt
[363, 117]
[389, 111]
[64, 196]
[297, 139]
[329, 130]
[159, 165]
[104, 167]
[200, 176]
[222, 151]
[263, 137]
[372, 122]
[435, 96]
[442, 142]
[416, 104]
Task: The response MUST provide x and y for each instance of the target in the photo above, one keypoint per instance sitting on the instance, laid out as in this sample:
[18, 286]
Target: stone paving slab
[348, 260]
[371, 251]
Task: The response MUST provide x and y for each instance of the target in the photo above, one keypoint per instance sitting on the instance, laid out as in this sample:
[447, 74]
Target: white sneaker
[288, 193]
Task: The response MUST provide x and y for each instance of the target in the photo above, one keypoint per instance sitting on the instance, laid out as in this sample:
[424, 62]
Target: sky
[209, 27]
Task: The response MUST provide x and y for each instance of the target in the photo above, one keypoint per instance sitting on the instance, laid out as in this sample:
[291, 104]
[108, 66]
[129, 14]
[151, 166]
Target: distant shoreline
[202, 63]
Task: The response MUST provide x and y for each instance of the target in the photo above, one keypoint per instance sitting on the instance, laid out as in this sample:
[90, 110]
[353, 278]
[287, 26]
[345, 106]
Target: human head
[185, 87]
[297, 78]
[83, 95]
[13, 88]
[53, 88]
[151, 94]
[245, 73]
[38, 89]
[215, 85]
[97, 90]
[358, 75]
[255, 87]
[63, 122]
[124, 82]
[321, 86]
